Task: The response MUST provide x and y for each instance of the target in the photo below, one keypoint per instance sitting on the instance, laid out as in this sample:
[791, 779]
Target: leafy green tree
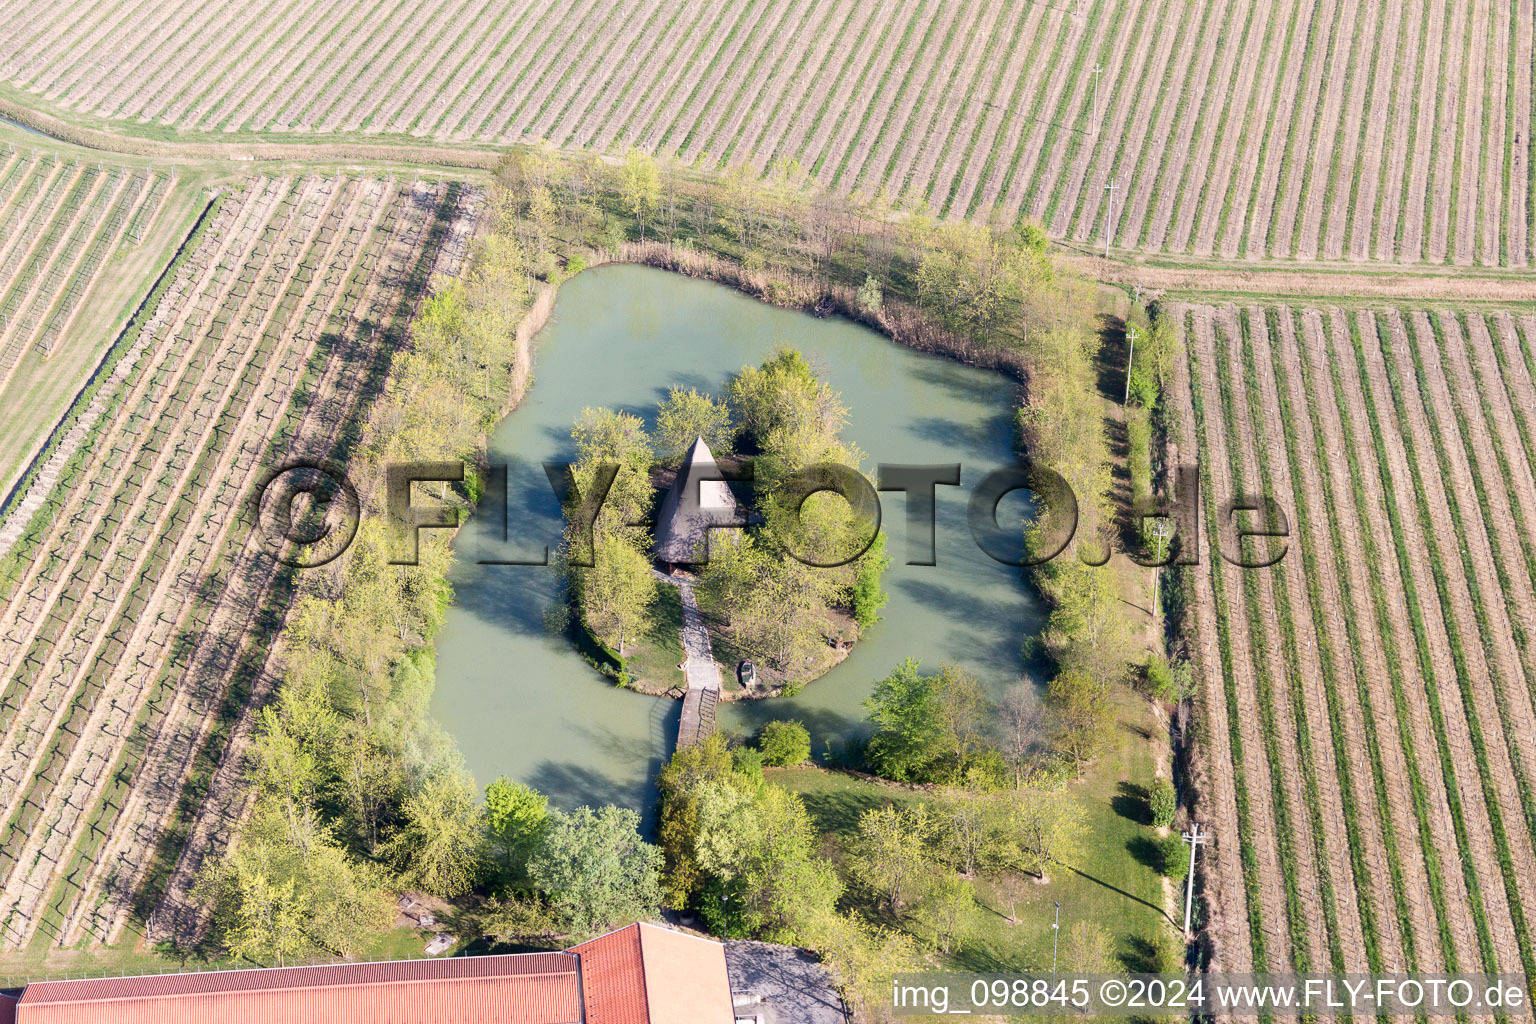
[515, 814]
[618, 592]
[640, 186]
[784, 743]
[1165, 803]
[275, 900]
[602, 436]
[908, 732]
[680, 782]
[963, 826]
[944, 907]
[869, 595]
[595, 870]
[870, 296]
[1083, 713]
[441, 844]
[893, 855]
[1034, 829]
[929, 728]
[758, 847]
[686, 415]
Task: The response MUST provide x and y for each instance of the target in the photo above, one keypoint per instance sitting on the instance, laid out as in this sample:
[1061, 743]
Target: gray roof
[699, 499]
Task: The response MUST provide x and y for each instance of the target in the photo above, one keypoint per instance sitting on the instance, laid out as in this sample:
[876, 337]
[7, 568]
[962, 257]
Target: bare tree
[1020, 717]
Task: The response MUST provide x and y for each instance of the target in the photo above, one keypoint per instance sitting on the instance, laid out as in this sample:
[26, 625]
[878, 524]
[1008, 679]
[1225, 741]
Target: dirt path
[600, 121]
[1195, 228]
[832, 74]
[1466, 130]
[871, 148]
[1268, 666]
[939, 113]
[747, 81]
[249, 402]
[1404, 285]
[183, 732]
[1519, 184]
[1117, 85]
[1075, 35]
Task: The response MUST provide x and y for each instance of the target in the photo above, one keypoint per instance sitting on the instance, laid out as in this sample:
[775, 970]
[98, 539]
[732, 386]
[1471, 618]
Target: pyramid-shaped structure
[698, 500]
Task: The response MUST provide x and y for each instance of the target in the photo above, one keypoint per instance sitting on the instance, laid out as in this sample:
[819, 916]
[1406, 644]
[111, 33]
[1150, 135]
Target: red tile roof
[645, 974]
[613, 978]
[536, 988]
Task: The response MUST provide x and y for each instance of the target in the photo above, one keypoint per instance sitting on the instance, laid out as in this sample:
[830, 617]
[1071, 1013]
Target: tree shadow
[1133, 803]
[1146, 851]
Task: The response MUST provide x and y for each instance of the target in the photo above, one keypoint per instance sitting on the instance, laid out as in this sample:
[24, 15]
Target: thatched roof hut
[698, 500]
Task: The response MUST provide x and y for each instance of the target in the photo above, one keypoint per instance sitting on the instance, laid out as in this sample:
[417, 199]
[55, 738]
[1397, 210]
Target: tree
[870, 297]
[640, 187]
[605, 436]
[680, 782]
[441, 844]
[1020, 716]
[1175, 855]
[595, 870]
[893, 854]
[905, 711]
[928, 728]
[618, 592]
[784, 743]
[1083, 713]
[515, 815]
[1088, 949]
[274, 900]
[1165, 803]
[944, 908]
[869, 595]
[686, 415]
[963, 822]
[758, 846]
[1036, 828]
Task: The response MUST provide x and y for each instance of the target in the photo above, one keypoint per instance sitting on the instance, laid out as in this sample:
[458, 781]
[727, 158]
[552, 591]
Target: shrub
[1165, 803]
[1175, 858]
[784, 743]
[749, 762]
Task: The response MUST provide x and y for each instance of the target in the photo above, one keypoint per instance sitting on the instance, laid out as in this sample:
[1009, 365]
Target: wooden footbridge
[698, 716]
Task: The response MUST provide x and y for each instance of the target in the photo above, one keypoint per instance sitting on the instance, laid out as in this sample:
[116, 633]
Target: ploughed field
[1370, 702]
[1361, 130]
[135, 609]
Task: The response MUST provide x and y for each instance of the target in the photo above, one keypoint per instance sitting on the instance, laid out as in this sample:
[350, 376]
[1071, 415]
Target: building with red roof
[643, 974]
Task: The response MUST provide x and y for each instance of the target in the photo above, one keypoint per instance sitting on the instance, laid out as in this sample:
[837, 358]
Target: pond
[521, 702]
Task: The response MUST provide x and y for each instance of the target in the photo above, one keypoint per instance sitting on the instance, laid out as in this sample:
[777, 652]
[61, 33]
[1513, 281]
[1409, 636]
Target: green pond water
[520, 701]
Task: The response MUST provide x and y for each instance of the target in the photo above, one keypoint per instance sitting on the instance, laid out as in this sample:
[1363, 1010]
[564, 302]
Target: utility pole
[1097, 70]
[1160, 534]
[1109, 215]
[1194, 838]
[1056, 938]
[1130, 360]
